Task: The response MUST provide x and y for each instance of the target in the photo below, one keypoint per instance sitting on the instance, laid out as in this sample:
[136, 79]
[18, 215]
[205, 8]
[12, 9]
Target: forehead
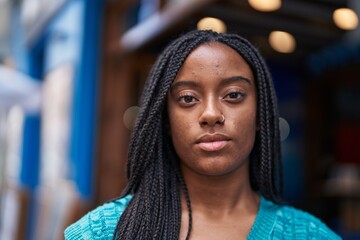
[214, 49]
[215, 59]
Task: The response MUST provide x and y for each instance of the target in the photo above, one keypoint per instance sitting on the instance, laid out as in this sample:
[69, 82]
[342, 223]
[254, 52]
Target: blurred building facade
[49, 119]
[72, 73]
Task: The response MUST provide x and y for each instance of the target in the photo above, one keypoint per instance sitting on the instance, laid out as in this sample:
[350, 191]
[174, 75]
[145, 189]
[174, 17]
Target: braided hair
[154, 177]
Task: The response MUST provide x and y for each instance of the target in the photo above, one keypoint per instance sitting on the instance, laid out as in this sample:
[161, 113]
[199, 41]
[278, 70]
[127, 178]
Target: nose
[212, 114]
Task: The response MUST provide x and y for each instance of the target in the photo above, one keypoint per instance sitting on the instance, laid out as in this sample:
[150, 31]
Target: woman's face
[215, 81]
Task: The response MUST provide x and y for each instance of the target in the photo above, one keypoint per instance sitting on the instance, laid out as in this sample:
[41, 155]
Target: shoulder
[297, 224]
[99, 223]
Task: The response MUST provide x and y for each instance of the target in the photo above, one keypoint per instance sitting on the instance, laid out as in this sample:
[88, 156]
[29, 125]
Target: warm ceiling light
[345, 18]
[210, 23]
[265, 5]
[282, 42]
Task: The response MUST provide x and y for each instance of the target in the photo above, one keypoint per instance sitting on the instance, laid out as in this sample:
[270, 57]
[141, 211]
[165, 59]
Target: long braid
[154, 176]
[188, 203]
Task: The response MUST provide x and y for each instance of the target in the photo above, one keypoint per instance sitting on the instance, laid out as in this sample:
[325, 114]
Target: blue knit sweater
[272, 222]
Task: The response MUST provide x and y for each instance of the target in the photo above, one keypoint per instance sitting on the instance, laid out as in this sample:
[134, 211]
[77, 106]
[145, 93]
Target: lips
[212, 142]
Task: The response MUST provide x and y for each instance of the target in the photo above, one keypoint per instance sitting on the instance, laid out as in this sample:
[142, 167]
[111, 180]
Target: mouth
[212, 142]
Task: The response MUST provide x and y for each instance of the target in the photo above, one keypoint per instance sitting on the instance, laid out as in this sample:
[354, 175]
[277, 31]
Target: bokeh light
[284, 129]
[210, 23]
[282, 42]
[130, 117]
[265, 5]
[345, 18]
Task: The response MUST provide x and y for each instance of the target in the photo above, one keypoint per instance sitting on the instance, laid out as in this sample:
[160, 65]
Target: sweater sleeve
[100, 223]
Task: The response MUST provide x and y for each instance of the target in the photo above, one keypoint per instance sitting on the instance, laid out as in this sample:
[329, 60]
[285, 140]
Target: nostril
[212, 120]
[203, 123]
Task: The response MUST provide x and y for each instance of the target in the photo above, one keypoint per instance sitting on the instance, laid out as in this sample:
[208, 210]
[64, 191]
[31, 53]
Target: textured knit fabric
[272, 222]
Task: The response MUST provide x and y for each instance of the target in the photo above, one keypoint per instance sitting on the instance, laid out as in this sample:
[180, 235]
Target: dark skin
[212, 115]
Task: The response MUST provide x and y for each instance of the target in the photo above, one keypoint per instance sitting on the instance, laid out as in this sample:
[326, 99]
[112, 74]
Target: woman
[204, 159]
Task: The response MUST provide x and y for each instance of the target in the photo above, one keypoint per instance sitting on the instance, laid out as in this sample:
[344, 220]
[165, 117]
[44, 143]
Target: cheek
[179, 126]
[247, 123]
[181, 138]
[245, 126]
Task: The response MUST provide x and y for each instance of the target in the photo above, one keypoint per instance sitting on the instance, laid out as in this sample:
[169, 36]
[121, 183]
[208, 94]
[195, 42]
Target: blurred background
[72, 71]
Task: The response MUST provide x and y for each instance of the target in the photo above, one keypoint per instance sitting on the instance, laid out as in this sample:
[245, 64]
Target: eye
[187, 100]
[236, 96]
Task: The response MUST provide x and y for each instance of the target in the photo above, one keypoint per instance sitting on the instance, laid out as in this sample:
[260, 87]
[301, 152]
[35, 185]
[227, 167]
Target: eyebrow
[235, 79]
[224, 81]
[184, 83]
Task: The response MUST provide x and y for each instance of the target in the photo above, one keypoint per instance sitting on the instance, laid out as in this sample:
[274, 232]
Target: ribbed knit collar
[264, 221]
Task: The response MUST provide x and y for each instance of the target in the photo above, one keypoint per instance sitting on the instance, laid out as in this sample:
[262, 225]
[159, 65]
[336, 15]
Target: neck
[221, 195]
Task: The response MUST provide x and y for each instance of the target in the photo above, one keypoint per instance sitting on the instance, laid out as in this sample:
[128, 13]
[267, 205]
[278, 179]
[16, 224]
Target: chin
[217, 167]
